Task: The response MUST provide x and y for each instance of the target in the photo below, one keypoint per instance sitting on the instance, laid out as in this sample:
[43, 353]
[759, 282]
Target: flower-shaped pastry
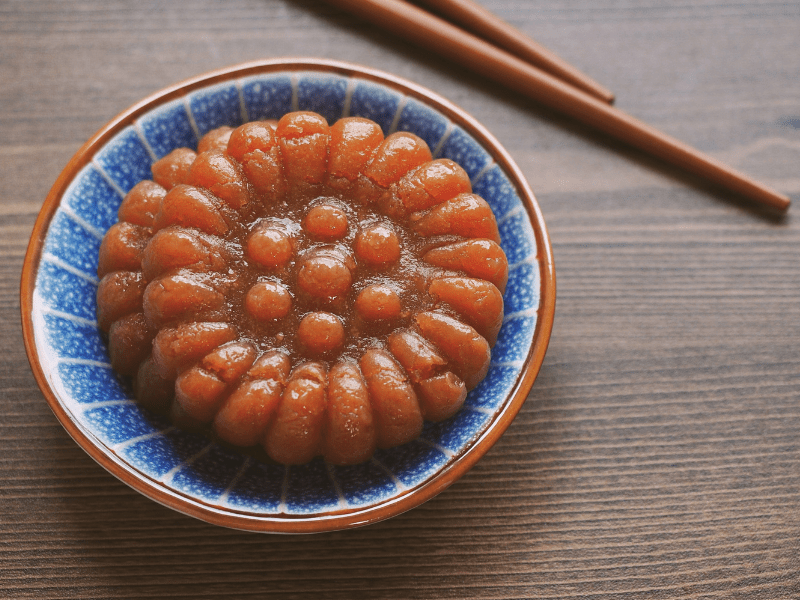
[313, 289]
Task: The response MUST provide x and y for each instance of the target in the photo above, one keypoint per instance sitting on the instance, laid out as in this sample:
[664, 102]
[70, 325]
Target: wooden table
[658, 455]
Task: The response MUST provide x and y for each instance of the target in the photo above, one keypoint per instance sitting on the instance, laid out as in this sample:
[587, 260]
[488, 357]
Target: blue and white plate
[186, 471]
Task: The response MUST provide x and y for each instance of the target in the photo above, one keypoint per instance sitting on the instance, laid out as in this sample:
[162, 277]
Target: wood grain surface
[658, 455]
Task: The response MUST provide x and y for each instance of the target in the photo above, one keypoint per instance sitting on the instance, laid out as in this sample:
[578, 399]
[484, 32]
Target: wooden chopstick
[433, 33]
[485, 24]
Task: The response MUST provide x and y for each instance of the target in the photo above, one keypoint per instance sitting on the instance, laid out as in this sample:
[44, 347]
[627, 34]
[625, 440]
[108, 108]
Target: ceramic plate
[185, 471]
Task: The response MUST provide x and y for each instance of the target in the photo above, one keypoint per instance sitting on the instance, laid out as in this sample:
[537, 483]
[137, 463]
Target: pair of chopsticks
[526, 67]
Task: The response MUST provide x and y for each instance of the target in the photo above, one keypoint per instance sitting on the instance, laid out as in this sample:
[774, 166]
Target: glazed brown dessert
[313, 290]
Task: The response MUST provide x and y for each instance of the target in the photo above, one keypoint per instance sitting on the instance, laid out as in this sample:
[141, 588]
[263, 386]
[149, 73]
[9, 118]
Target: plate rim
[290, 523]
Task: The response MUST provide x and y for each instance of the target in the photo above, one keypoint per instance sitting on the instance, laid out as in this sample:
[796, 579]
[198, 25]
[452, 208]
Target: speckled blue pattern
[216, 106]
[125, 160]
[259, 489]
[207, 474]
[364, 484]
[457, 432]
[167, 127]
[522, 289]
[375, 102]
[463, 149]
[310, 489]
[159, 455]
[413, 463]
[74, 355]
[491, 392]
[495, 184]
[71, 338]
[93, 383]
[512, 343]
[322, 93]
[76, 294]
[118, 422]
[93, 200]
[423, 121]
[266, 96]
